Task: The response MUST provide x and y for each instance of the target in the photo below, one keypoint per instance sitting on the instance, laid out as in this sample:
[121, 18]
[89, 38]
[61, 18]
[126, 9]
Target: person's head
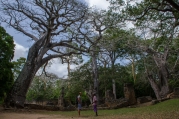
[79, 93]
[94, 94]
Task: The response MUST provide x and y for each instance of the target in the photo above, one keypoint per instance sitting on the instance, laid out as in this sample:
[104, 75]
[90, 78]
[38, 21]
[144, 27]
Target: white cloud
[20, 51]
[60, 69]
[56, 68]
[102, 4]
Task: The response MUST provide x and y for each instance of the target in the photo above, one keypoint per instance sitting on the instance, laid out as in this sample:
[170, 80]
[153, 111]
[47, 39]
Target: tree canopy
[6, 55]
[142, 33]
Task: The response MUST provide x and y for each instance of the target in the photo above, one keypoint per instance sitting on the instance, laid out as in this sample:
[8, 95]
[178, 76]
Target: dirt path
[41, 114]
[14, 115]
[27, 116]
[30, 114]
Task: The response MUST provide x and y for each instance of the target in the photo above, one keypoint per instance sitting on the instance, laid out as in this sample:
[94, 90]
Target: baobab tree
[50, 24]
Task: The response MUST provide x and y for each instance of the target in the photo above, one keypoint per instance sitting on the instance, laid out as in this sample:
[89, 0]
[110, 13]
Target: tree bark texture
[114, 55]
[161, 88]
[17, 96]
[154, 86]
[95, 74]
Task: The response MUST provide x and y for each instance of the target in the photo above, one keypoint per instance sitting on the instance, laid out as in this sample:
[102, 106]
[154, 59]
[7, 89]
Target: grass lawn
[165, 110]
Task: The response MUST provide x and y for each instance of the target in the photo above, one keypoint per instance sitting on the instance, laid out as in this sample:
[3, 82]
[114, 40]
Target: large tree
[157, 21]
[109, 49]
[51, 25]
[100, 23]
[6, 55]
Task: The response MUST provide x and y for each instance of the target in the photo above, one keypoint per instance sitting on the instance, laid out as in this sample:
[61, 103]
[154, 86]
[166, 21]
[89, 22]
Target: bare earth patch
[29, 114]
[17, 115]
[39, 114]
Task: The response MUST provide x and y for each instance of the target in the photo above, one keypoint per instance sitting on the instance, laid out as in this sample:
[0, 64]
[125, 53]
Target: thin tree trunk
[113, 81]
[95, 74]
[114, 88]
[133, 70]
[68, 68]
[89, 94]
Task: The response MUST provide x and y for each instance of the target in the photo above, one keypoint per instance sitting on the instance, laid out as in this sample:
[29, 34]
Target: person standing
[95, 104]
[79, 103]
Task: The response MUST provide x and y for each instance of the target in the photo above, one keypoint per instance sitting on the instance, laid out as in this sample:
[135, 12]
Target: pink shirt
[94, 100]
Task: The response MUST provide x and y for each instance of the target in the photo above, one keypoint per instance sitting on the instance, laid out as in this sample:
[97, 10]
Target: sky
[102, 4]
[23, 43]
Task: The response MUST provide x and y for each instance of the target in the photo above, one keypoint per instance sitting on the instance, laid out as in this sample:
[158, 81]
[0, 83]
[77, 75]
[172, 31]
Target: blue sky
[23, 43]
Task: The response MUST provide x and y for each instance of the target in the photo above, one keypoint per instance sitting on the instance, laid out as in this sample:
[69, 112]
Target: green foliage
[143, 89]
[18, 65]
[44, 88]
[119, 73]
[80, 81]
[157, 23]
[6, 55]
[173, 83]
[173, 59]
[72, 92]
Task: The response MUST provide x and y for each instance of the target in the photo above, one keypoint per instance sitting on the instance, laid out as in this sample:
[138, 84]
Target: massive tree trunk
[154, 86]
[161, 88]
[164, 75]
[17, 96]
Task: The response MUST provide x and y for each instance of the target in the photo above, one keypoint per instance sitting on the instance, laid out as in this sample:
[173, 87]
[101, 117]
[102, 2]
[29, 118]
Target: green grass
[165, 110]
